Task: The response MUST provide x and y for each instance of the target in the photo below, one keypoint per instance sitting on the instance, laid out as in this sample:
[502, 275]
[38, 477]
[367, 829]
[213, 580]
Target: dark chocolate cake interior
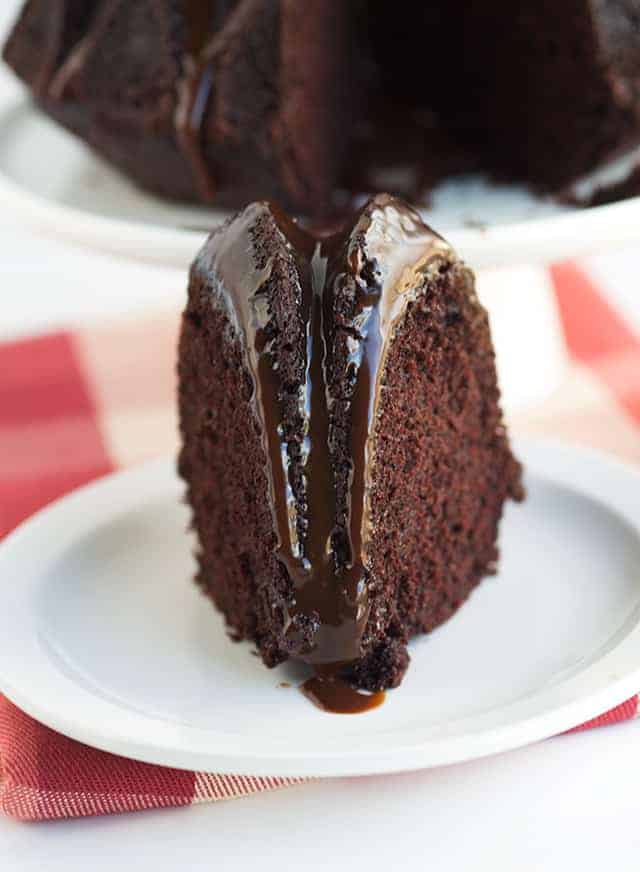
[343, 448]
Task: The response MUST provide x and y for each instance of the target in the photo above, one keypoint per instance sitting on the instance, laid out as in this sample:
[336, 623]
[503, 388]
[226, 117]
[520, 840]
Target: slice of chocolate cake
[343, 444]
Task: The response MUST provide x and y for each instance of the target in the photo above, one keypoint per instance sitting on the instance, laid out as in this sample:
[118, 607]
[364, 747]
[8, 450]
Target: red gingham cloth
[76, 405]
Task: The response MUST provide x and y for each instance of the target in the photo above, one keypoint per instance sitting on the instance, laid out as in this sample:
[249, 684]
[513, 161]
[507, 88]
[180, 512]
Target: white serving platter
[104, 637]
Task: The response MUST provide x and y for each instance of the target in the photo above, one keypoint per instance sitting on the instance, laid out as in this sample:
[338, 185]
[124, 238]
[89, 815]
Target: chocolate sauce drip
[67, 24]
[382, 264]
[193, 98]
[199, 18]
[203, 19]
[330, 582]
[244, 289]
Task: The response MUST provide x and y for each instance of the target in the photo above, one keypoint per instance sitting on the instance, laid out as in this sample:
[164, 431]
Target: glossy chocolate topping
[204, 18]
[194, 93]
[382, 263]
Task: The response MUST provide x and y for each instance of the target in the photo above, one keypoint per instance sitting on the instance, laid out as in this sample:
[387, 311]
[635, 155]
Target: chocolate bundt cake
[343, 446]
[227, 100]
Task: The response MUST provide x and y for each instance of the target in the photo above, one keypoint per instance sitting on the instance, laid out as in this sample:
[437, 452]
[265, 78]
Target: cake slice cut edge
[343, 447]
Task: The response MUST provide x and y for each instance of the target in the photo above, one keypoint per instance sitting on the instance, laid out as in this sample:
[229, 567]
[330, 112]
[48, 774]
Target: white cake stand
[57, 186]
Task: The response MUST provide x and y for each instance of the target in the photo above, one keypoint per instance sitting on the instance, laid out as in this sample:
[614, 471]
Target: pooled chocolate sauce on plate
[331, 694]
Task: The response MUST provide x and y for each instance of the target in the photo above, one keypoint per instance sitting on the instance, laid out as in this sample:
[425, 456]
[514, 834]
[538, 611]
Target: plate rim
[539, 240]
[195, 748]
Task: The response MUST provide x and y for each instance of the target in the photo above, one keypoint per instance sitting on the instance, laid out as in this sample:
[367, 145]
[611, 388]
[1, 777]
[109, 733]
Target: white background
[568, 803]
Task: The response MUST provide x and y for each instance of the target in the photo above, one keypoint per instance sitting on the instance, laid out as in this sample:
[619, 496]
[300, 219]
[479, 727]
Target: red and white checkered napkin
[76, 405]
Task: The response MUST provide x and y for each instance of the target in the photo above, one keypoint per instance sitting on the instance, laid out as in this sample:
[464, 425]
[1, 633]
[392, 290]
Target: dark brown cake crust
[307, 102]
[556, 93]
[44, 34]
[415, 462]
[219, 105]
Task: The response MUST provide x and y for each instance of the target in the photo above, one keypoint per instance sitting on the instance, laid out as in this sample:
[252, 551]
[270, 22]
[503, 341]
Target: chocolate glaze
[242, 288]
[382, 263]
[204, 18]
[60, 79]
[194, 93]
[53, 46]
[391, 256]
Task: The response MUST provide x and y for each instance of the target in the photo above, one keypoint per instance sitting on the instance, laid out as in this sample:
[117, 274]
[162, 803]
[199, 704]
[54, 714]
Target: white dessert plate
[59, 185]
[104, 637]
